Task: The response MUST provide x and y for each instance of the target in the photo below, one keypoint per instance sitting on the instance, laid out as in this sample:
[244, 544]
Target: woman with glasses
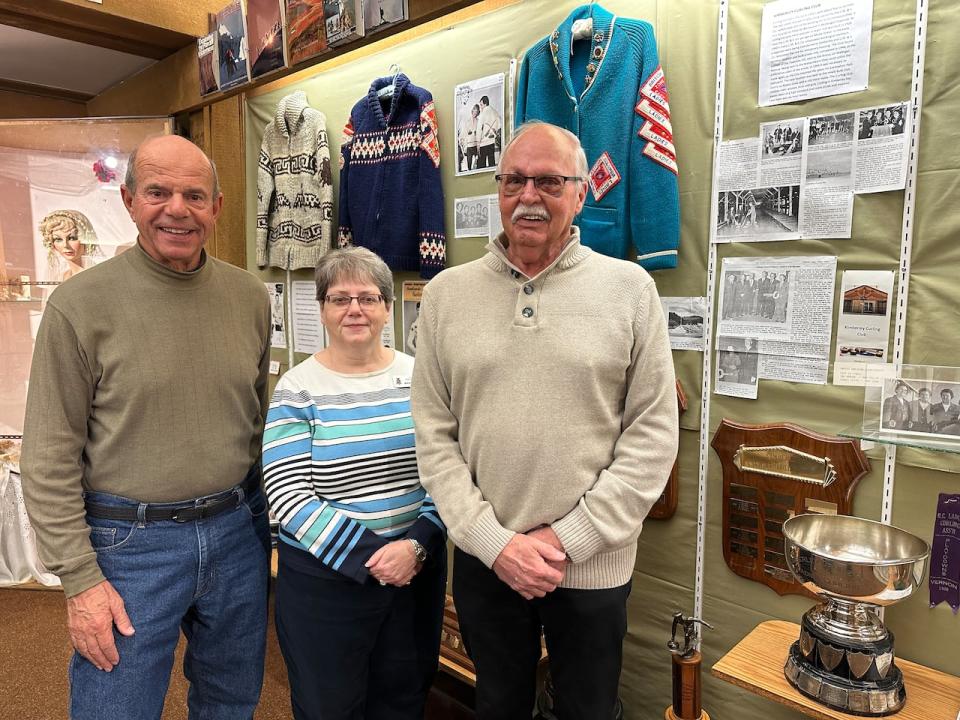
[362, 551]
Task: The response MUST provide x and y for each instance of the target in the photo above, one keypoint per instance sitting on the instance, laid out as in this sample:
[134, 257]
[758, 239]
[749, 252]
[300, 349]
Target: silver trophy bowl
[853, 564]
[845, 656]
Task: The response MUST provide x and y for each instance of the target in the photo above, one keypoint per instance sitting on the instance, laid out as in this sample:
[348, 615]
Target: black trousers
[359, 652]
[584, 630]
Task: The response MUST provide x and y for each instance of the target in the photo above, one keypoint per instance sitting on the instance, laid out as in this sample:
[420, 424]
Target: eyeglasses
[513, 184]
[342, 302]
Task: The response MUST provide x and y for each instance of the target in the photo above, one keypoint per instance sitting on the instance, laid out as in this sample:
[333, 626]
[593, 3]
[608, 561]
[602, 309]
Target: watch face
[419, 551]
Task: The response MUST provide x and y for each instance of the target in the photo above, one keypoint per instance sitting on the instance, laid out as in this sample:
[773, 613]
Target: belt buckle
[187, 514]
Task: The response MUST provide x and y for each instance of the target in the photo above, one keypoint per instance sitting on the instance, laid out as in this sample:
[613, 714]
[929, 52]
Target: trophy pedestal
[858, 677]
[756, 665]
[670, 715]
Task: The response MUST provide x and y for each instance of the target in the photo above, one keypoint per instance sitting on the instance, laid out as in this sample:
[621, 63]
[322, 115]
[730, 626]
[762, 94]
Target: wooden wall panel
[224, 145]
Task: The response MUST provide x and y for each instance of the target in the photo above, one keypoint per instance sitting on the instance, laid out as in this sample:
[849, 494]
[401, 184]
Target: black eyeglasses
[513, 184]
[342, 302]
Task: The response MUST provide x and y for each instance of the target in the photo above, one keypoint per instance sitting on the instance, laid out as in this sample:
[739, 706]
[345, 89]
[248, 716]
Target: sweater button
[528, 289]
[527, 312]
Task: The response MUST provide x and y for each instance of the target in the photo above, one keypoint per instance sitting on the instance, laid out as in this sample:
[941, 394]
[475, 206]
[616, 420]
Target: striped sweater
[340, 467]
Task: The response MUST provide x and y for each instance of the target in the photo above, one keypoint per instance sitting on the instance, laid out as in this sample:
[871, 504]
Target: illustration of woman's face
[475, 111]
[65, 240]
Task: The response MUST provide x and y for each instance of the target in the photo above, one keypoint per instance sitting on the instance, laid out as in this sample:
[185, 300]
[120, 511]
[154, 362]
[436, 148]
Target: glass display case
[917, 407]
[60, 213]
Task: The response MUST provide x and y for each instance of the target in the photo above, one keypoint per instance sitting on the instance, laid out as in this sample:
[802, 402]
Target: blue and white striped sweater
[340, 467]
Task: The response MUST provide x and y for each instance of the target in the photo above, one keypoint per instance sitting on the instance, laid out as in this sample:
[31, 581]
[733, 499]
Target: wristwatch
[419, 551]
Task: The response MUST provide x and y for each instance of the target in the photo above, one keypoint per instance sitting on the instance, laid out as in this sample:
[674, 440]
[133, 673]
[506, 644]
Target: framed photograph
[411, 293]
[471, 216]
[479, 124]
[921, 407]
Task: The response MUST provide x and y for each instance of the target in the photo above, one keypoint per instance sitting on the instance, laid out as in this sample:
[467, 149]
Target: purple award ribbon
[945, 554]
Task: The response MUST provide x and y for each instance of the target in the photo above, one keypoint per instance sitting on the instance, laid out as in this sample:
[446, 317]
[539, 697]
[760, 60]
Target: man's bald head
[161, 143]
[561, 134]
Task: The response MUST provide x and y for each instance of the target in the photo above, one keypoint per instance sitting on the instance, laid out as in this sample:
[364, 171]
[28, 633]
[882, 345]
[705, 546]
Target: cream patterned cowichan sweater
[294, 187]
[547, 400]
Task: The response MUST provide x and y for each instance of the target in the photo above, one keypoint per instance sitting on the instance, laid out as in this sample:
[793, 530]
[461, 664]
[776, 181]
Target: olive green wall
[687, 39]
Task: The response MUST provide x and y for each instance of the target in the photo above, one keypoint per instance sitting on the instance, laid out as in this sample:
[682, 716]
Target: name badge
[402, 381]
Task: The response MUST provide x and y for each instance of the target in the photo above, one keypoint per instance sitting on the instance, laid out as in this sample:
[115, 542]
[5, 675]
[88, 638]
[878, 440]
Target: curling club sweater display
[294, 187]
[391, 200]
[610, 92]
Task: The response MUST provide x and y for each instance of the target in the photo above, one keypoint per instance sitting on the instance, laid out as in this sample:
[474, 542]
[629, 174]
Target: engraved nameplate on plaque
[771, 473]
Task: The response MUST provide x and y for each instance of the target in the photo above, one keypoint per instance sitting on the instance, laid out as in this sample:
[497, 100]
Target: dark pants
[359, 652]
[487, 155]
[584, 630]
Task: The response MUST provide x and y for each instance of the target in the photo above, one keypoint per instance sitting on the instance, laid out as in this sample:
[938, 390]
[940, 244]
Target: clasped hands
[394, 564]
[532, 563]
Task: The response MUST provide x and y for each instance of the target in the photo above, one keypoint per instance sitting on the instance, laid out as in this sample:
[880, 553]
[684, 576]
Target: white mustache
[537, 211]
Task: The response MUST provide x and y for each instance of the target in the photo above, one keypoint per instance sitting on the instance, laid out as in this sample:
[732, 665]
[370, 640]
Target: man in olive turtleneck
[141, 455]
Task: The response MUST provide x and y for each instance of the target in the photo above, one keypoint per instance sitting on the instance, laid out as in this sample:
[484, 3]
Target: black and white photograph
[684, 321]
[471, 216]
[782, 138]
[829, 129]
[835, 166]
[769, 213]
[479, 124]
[882, 121]
[758, 296]
[278, 334]
[737, 360]
[921, 407]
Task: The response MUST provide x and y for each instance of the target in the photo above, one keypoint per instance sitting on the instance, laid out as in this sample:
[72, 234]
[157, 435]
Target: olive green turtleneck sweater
[146, 383]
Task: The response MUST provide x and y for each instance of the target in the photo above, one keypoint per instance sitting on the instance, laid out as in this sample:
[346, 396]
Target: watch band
[418, 550]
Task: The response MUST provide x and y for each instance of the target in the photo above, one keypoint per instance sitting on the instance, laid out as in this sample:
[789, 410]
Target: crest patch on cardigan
[603, 176]
[655, 88]
[654, 113]
[660, 156]
[429, 133]
[658, 136]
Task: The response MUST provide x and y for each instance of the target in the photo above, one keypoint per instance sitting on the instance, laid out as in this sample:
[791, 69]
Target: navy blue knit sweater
[391, 200]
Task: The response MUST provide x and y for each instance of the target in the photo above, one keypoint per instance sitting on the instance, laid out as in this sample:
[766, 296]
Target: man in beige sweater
[141, 455]
[546, 417]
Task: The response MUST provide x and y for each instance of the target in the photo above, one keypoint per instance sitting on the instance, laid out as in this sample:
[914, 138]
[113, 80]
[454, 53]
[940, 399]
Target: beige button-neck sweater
[546, 400]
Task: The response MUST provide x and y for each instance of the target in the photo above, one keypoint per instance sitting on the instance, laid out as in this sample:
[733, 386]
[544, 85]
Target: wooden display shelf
[756, 664]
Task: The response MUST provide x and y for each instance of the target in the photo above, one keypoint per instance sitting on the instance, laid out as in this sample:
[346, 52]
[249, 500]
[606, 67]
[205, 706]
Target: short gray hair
[353, 263]
[130, 178]
[580, 155]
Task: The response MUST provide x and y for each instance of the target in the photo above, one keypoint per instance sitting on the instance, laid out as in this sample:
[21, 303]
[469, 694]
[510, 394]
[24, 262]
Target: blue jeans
[207, 578]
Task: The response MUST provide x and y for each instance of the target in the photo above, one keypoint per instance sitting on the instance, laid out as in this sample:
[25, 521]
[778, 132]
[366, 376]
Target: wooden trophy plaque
[453, 655]
[773, 472]
[666, 504]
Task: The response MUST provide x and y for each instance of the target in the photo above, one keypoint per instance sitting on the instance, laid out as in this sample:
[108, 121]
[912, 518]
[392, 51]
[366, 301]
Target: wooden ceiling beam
[93, 27]
[45, 91]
